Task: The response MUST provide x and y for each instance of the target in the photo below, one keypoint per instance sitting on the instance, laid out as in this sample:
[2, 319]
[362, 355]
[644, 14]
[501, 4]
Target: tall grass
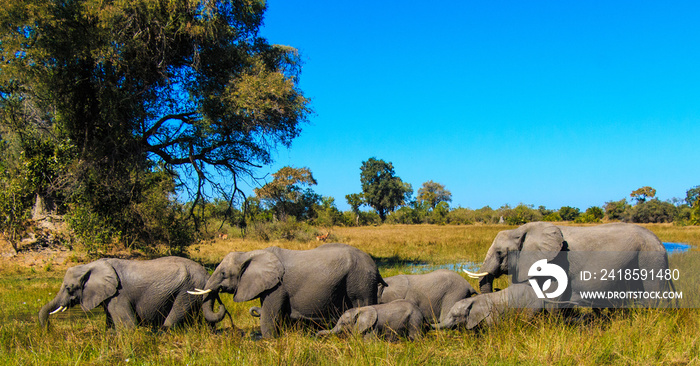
[637, 336]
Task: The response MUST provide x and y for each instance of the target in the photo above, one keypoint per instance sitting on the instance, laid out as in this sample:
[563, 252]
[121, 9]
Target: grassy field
[627, 337]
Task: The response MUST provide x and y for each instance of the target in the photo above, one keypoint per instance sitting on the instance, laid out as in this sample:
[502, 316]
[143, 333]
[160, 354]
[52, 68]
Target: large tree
[433, 193]
[286, 194]
[381, 188]
[119, 89]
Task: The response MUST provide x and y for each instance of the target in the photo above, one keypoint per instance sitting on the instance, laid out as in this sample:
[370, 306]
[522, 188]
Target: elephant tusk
[60, 308]
[199, 292]
[475, 275]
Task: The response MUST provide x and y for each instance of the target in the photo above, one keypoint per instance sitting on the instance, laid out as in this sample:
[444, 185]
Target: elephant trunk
[208, 308]
[44, 312]
[446, 324]
[491, 266]
[323, 333]
[486, 284]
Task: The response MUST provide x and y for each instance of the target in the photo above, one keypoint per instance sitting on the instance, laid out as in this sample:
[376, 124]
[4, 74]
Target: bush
[617, 210]
[569, 213]
[521, 214]
[652, 211]
[461, 216]
[290, 229]
[554, 216]
[592, 214]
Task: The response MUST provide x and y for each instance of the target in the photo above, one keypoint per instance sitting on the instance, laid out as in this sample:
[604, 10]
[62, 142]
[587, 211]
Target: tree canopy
[286, 195]
[381, 188]
[642, 194]
[106, 93]
[433, 193]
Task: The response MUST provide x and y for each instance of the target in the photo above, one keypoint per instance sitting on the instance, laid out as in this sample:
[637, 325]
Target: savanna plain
[627, 337]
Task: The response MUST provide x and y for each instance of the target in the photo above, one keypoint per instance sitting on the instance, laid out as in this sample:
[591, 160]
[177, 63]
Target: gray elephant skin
[391, 321]
[642, 249]
[314, 286]
[133, 292]
[486, 309]
[434, 293]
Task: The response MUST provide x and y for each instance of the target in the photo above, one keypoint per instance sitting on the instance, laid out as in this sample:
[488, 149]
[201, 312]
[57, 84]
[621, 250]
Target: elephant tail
[255, 311]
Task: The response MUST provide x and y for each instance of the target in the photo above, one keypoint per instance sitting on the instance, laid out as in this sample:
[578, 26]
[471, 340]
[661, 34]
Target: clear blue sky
[503, 102]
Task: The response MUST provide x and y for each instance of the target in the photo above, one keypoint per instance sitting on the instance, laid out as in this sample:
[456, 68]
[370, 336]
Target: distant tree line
[287, 207]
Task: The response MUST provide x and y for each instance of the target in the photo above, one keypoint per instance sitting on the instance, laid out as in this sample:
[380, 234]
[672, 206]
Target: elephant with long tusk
[591, 248]
[314, 286]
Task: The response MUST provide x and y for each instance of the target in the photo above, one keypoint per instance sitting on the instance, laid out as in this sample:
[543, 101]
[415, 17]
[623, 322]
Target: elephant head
[467, 313]
[88, 285]
[357, 320]
[541, 237]
[246, 275]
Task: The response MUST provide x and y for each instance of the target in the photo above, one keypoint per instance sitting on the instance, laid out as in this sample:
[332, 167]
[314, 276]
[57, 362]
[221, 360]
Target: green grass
[631, 337]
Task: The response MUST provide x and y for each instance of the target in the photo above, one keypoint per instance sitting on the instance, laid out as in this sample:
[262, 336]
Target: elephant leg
[120, 313]
[273, 314]
[181, 308]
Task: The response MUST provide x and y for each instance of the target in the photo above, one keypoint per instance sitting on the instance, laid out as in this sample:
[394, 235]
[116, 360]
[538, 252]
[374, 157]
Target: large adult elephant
[592, 249]
[434, 293]
[315, 285]
[133, 292]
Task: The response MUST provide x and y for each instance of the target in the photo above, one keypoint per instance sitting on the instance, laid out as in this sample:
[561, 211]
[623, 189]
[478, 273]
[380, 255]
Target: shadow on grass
[396, 261]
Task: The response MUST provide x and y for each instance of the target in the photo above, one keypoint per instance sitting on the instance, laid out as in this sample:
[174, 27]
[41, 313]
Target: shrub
[289, 229]
[461, 216]
[569, 213]
[652, 211]
[521, 214]
[554, 216]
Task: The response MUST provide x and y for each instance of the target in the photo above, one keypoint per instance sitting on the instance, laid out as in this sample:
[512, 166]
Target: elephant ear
[397, 289]
[542, 240]
[260, 271]
[478, 311]
[100, 282]
[543, 237]
[366, 319]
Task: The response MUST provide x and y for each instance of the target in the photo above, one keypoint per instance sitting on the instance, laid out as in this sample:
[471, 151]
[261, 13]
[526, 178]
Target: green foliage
[592, 214]
[652, 211]
[553, 216]
[568, 213]
[432, 193]
[692, 195]
[695, 215]
[642, 194]
[327, 214]
[286, 196]
[94, 94]
[439, 213]
[289, 229]
[521, 214]
[381, 188]
[616, 210]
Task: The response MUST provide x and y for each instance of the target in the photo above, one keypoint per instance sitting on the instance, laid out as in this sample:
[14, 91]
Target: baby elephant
[487, 308]
[434, 293]
[391, 321]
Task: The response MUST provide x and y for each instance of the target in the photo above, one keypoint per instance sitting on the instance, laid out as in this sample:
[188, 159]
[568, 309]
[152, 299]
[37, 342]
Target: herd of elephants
[337, 284]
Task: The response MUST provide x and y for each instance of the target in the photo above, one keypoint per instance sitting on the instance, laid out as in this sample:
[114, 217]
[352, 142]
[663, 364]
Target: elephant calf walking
[151, 293]
[400, 318]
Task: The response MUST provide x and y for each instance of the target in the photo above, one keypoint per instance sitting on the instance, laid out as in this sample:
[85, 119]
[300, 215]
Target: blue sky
[503, 102]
